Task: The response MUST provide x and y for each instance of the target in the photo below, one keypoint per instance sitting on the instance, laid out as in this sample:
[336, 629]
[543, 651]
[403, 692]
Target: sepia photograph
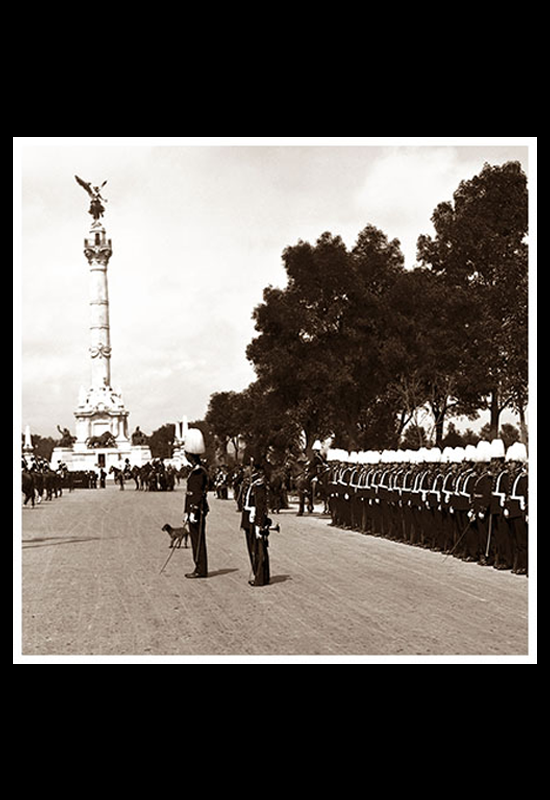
[274, 400]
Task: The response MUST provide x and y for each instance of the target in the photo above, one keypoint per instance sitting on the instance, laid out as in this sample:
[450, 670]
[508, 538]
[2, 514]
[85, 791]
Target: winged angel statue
[97, 208]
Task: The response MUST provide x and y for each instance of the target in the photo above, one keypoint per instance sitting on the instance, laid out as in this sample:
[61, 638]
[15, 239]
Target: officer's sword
[168, 559]
[489, 536]
[459, 539]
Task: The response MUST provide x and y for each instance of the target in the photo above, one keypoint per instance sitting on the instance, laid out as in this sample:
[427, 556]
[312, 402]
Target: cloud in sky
[198, 233]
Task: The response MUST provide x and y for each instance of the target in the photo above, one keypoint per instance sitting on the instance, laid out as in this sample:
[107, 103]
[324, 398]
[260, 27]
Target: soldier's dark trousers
[407, 523]
[504, 543]
[437, 529]
[417, 525]
[251, 545]
[261, 570]
[426, 526]
[520, 537]
[197, 531]
[399, 529]
[356, 513]
[461, 531]
[386, 521]
[376, 517]
[447, 531]
[472, 537]
[485, 540]
[367, 516]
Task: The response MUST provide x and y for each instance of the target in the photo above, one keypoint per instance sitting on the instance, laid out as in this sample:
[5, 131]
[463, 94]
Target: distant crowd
[41, 482]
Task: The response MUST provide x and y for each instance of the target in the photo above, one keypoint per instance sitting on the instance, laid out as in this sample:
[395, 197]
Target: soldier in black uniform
[482, 522]
[515, 509]
[259, 525]
[461, 502]
[248, 512]
[500, 545]
[196, 504]
[433, 500]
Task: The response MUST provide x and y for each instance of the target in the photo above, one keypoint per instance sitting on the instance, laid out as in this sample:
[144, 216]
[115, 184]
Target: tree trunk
[495, 415]
[523, 436]
[439, 422]
[439, 411]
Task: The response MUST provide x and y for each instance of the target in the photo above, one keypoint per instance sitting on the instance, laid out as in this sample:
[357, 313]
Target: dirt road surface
[92, 586]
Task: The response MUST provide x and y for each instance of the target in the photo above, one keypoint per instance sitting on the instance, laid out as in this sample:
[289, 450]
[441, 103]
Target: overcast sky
[198, 230]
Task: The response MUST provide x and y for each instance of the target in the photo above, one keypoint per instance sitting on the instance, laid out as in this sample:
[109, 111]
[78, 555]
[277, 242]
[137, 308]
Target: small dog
[176, 535]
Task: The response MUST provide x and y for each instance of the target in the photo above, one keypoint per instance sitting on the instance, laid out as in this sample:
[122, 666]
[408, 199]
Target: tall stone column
[102, 438]
[98, 251]
[100, 411]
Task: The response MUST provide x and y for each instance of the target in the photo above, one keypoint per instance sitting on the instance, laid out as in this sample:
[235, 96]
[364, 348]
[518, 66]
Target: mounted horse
[27, 487]
[119, 475]
[136, 475]
[310, 479]
[278, 488]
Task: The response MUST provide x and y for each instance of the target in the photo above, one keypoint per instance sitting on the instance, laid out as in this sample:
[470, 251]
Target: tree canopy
[354, 344]
[480, 250]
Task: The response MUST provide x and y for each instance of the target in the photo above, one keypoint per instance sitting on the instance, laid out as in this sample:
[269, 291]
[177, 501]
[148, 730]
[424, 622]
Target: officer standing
[260, 525]
[196, 505]
[516, 506]
[500, 489]
[248, 515]
[481, 517]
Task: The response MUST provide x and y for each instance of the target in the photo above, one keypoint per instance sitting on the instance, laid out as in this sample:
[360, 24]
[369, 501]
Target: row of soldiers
[469, 502]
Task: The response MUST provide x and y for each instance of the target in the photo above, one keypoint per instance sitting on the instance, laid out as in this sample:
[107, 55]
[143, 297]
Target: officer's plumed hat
[483, 451]
[497, 448]
[516, 452]
[194, 442]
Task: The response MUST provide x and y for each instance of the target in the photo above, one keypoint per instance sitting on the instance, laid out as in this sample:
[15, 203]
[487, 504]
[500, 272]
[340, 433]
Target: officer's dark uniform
[196, 506]
[484, 545]
[248, 511]
[516, 513]
[501, 529]
[260, 526]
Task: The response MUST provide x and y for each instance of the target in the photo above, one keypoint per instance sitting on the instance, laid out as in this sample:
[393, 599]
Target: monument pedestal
[140, 455]
[93, 458]
[61, 455]
[101, 435]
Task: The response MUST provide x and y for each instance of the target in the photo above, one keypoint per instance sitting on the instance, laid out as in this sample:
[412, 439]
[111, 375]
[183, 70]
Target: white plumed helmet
[497, 448]
[483, 451]
[194, 441]
[516, 452]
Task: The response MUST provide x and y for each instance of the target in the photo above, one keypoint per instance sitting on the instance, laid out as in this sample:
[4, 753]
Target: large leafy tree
[161, 441]
[42, 445]
[300, 353]
[269, 427]
[480, 248]
[319, 343]
[227, 418]
[425, 348]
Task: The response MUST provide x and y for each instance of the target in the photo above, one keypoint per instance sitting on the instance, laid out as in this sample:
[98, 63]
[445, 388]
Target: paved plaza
[92, 585]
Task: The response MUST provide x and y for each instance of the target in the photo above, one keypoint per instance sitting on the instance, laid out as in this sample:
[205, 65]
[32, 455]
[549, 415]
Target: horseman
[308, 481]
[318, 470]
